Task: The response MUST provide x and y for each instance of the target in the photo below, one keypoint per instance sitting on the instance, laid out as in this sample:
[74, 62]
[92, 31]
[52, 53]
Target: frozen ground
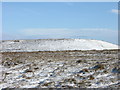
[55, 45]
[60, 69]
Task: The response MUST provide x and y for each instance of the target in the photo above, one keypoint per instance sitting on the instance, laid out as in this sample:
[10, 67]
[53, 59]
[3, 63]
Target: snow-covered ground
[60, 69]
[55, 45]
[60, 63]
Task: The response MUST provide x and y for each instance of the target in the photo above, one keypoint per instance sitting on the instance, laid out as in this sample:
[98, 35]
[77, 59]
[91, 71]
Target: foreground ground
[60, 69]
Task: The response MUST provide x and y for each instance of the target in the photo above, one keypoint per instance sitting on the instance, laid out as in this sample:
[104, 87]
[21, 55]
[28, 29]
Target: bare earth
[60, 69]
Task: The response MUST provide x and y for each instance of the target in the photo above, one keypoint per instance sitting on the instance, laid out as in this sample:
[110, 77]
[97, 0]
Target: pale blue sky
[32, 20]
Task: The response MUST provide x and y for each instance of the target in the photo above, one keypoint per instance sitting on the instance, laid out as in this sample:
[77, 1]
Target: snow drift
[55, 45]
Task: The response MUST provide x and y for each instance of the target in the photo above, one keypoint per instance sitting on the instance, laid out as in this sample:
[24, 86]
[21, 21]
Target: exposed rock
[98, 67]
[116, 70]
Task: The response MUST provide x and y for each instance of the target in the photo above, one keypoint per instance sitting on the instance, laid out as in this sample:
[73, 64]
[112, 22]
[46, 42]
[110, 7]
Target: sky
[44, 20]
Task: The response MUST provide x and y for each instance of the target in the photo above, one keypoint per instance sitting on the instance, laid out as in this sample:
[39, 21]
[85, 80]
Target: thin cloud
[45, 31]
[85, 33]
[115, 11]
[60, 31]
[57, 33]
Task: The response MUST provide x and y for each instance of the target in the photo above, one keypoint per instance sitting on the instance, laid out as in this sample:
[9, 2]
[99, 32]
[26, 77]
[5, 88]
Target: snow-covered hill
[55, 44]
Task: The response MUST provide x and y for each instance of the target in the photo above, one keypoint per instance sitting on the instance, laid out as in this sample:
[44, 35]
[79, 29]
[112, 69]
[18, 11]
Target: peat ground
[60, 69]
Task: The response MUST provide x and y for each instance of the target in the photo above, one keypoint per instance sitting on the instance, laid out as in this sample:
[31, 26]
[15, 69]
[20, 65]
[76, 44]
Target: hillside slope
[56, 45]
